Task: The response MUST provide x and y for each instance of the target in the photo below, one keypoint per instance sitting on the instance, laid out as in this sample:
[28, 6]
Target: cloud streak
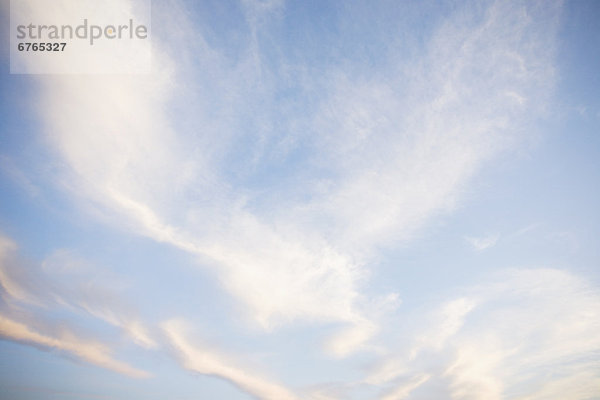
[207, 361]
[483, 243]
[56, 285]
[92, 352]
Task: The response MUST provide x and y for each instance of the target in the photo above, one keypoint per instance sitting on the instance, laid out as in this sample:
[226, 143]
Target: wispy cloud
[207, 361]
[526, 323]
[10, 276]
[92, 352]
[64, 281]
[290, 203]
[389, 159]
[404, 390]
[484, 242]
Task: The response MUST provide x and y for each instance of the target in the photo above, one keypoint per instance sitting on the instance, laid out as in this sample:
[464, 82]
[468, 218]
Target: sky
[309, 200]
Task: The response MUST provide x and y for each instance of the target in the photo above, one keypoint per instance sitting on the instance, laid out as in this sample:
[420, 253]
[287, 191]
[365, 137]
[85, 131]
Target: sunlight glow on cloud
[206, 361]
[91, 352]
[44, 287]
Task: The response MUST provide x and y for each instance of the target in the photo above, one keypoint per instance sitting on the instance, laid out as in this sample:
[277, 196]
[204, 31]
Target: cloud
[65, 281]
[403, 152]
[352, 339]
[117, 163]
[207, 361]
[526, 334]
[545, 319]
[10, 277]
[404, 390]
[483, 243]
[444, 323]
[91, 352]
[291, 202]
[450, 319]
[381, 156]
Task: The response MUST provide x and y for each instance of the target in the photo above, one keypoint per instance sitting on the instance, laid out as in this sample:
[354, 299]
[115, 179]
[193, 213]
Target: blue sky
[309, 200]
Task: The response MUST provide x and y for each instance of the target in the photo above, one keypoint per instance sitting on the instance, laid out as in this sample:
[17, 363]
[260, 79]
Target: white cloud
[450, 320]
[176, 156]
[387, 370]
[10, 276]
[403, 391]
[581, 384]
[92, 352]
[65, 281]
[483, 243]
[207, 361]
[532, 335]
[442, 325]
[404, 155]
[121, 163]
[385, 156]
[352, 338]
